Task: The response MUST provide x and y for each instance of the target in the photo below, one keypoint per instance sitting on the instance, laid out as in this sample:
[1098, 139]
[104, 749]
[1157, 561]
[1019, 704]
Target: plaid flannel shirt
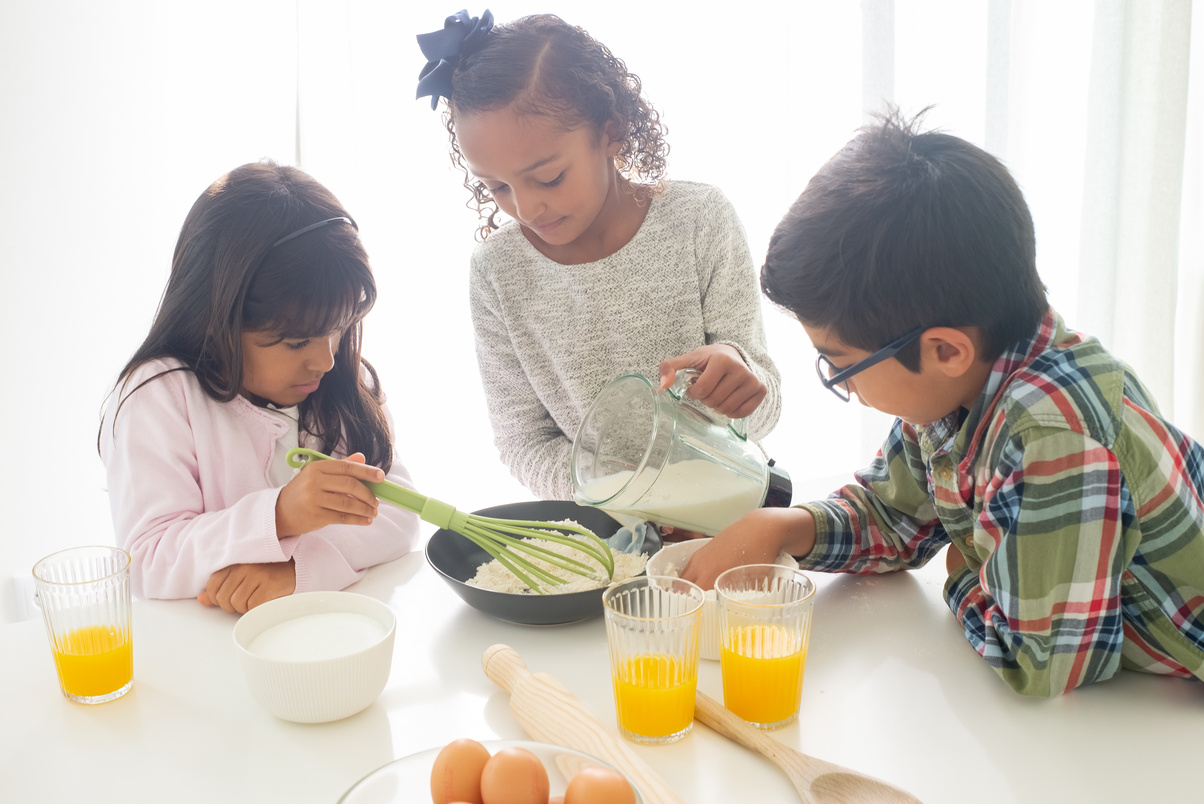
[1077, 507]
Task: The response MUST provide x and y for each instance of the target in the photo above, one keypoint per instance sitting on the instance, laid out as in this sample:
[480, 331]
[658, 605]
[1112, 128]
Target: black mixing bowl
[457, 559]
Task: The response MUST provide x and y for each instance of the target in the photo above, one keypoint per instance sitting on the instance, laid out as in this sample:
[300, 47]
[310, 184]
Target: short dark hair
[904, 229]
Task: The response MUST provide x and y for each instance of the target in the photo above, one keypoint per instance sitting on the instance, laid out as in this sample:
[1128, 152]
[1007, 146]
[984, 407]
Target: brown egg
[514, 776]
[599, 785]
[456, 773]
[556, 800]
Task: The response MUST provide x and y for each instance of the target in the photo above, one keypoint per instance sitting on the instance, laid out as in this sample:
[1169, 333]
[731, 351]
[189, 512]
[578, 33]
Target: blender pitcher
[660, 456]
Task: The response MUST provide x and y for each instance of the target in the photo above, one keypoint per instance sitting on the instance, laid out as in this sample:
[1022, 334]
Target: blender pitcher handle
[681, 383]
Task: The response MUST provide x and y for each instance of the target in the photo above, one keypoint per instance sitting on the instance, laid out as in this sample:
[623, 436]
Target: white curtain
[117, 115]
[1086, 103]
[1133, 206]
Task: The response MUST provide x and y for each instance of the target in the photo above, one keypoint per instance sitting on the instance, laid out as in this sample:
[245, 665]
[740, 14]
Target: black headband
[310, 228]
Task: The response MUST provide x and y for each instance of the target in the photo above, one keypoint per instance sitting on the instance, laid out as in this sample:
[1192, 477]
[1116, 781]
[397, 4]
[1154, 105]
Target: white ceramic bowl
[671, 560]
[316, 656]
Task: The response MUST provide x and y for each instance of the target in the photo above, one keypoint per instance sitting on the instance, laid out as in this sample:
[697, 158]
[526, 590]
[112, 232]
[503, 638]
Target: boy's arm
[885, 521]
[1044, 608]
[759, 537]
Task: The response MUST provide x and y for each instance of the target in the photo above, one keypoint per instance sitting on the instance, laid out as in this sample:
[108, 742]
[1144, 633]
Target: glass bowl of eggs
[495, 772]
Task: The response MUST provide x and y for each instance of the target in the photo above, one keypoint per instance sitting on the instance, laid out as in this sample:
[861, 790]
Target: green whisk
[500, 538]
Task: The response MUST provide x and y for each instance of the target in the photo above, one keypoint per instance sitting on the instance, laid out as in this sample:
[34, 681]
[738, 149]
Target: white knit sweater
[550, 336]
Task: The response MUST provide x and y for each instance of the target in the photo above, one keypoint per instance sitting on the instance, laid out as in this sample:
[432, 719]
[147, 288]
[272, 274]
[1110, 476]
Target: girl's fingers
[735, 398]
[744, 403]
[354, 469]
[350, 510]
[242, 592]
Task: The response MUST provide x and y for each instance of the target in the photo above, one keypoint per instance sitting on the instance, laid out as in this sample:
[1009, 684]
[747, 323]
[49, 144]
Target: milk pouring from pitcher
[660, 456]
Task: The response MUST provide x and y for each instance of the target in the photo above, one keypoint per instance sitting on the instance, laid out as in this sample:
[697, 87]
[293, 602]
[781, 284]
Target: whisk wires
[506, 540]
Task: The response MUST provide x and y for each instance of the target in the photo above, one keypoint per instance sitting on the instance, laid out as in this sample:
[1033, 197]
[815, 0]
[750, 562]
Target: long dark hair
[227, 278]
[550, 68]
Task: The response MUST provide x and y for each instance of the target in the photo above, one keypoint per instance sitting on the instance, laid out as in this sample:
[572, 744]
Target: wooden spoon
[817, 781]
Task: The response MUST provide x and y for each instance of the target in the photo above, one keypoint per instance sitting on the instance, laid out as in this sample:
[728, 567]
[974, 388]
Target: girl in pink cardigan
[255, 349]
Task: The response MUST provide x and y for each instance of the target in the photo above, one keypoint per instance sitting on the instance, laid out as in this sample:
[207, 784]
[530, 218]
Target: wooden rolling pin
[548, 712]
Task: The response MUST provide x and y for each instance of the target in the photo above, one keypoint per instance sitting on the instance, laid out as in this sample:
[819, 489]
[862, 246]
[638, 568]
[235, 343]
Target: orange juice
[762, 671]
[653, 695]
[94, 661]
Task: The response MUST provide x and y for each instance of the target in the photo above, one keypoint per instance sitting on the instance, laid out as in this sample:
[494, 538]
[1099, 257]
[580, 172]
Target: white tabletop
[891, 688]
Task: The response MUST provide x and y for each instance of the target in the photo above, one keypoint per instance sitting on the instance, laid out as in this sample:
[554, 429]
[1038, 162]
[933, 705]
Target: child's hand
[327, 493]
[241, 587]
[758, 537]
[954, 560]
[672, 533]
[726, 383]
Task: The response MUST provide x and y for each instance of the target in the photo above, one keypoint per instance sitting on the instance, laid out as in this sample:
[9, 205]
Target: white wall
[116, 115]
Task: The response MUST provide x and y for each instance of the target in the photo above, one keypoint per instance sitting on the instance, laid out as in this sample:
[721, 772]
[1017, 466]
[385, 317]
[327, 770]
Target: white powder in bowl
[495, 577]
[328, 635]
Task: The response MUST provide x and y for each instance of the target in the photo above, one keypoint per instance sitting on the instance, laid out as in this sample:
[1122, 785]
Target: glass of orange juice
[653, 628]
[84, 594]
[764, 627]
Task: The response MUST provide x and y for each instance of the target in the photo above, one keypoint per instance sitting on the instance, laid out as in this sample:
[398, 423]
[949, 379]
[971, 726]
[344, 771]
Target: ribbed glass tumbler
[653, 628]
[84, 594]
[764, 629]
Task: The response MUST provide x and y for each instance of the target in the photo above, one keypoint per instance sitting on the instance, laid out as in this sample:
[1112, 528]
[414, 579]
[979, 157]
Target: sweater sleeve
[529, 441]
[732, 302]
[159, 507]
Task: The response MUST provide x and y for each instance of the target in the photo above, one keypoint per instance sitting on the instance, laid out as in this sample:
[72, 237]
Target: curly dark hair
[543, 66]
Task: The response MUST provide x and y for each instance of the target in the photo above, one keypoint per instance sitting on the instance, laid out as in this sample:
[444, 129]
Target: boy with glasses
[1072, 510]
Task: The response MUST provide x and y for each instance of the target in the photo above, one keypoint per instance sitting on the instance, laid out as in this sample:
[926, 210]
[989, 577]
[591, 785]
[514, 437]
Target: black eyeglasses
[836, 380]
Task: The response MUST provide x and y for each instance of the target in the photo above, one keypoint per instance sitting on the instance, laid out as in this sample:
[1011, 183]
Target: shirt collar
[963, 437]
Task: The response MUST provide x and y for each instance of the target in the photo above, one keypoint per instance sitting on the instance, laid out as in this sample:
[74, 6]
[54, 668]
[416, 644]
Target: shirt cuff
[820, 552]
[958, 586]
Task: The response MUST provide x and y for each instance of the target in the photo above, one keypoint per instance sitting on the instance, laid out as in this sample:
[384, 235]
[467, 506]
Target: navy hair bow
[443, 49]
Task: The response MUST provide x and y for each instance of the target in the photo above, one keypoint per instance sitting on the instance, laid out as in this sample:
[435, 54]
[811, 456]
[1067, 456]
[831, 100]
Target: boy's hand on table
[954, 560]
[725, 384]
[758, 537]
[241, 587]
[328, 493]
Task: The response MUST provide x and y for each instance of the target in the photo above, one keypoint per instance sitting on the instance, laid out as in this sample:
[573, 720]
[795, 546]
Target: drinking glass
[84, 594]
[653, 626]
[764, 627]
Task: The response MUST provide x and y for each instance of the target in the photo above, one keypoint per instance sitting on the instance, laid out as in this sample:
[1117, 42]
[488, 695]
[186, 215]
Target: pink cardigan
[189, 490]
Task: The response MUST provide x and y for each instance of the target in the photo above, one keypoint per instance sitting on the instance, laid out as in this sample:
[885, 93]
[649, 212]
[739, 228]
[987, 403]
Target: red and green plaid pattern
[1078, 508]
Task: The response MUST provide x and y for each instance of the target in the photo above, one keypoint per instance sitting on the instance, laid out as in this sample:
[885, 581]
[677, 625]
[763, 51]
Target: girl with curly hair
[605, 267]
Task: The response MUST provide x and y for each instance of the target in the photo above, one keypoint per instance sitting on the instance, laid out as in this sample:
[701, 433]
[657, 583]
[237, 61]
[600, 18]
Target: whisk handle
[389, 492]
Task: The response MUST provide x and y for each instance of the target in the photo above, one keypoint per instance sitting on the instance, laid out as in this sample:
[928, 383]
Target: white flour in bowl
[495, 577]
